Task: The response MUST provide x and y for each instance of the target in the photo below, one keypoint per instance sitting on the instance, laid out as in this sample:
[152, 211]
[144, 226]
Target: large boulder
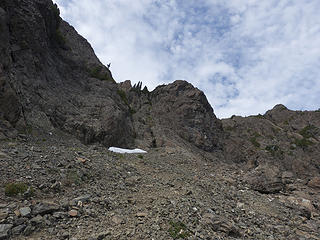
[265, 179]
[185, 110]
[177, 114]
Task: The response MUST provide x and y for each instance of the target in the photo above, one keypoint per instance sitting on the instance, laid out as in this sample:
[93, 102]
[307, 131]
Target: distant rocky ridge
[277, 147]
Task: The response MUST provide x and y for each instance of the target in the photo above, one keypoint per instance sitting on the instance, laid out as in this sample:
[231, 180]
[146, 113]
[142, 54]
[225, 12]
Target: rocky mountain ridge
[60, 109]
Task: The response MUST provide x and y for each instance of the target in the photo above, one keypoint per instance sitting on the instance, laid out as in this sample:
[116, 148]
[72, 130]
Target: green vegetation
[254, 141]
[27, 130]
[132, 111]
[96, 72]
[60, 39]
[259, 116]
[17, 188]
[178, 230]
[308, 131]
[56, 14]
[229, 128]
[58, 36]
[72, 178]
[275, 151]
[303, 143]
[123, 96]
[140, 156]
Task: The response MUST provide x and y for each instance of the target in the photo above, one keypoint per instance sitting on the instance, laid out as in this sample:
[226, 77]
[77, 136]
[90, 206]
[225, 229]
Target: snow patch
[123, 150]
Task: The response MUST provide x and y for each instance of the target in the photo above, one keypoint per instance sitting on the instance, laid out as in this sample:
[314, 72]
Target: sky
[245, 55]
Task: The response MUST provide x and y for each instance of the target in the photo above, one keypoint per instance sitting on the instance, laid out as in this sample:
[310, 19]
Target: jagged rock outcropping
[285, 142]
[174, 115]
[50, 77]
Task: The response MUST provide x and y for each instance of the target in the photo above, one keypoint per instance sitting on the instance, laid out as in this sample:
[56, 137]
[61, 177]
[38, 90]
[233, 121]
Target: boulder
[265, 179]
[4, 231]
[44, 208]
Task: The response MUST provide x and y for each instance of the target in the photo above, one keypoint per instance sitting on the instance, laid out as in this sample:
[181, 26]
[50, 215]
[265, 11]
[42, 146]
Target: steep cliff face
[176, 114]
[50, 77]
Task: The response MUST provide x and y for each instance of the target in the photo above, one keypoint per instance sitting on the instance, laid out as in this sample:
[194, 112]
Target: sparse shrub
[123, 96]
[229, 128]
[308, 131]
[140, 156]
[132, 111]
[254, 142]
[272, 148]
[60, 39]
[17, 188]
[303, 143]
[72, 178]
[275, 151]
[96, 72]
[26, 130]
[259, 116]
[275, 130]
[56, 14]
[178, 230]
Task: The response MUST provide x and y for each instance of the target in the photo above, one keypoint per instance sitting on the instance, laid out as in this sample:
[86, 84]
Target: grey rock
[60, 215]
[4, 155]
[20, 221]
[25, 211]
[18, 229]
[44, 208]
[82, 199]
[37, 220]
[287, 177]
[63, 235]
[173, 115]
[65, 87]
[3, 214]
[265, 179]
[4, 230]
[28, 230]
[221, 224]
[102, 235]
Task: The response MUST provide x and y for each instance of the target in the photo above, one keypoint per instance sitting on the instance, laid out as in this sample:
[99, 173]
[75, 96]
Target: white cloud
[246, 55]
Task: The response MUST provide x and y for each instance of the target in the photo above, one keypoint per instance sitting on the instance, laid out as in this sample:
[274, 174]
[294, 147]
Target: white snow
[123, 150]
